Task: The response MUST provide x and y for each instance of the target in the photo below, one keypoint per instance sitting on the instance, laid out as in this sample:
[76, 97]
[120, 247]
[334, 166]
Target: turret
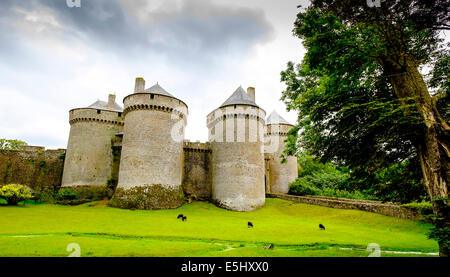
[281, 174]
[236, 133]
[89, 155]
[150, 173]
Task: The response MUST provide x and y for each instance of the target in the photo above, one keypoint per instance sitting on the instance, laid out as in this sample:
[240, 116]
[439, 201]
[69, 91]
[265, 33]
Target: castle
[138, 152]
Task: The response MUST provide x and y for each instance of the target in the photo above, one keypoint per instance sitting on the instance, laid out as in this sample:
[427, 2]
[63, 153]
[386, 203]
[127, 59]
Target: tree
[360, 94]
[11, 144]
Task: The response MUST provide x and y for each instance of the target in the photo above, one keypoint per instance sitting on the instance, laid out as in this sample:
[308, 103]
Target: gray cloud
[191, 30]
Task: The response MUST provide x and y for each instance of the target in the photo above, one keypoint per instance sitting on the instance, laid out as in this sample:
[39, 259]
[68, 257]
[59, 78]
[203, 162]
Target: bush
[76, 195]
[13, 194]
[424, 207]
[66, 194]
[320, 175]
[298, 187]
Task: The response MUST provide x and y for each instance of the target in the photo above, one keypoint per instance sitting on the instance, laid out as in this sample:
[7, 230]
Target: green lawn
[46, 230]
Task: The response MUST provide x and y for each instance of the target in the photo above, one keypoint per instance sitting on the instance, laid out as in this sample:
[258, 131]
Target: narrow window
[152, 96]
[98, 111]
[120, 114]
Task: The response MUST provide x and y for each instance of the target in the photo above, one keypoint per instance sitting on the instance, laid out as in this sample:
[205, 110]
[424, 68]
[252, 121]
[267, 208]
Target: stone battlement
[197, 146]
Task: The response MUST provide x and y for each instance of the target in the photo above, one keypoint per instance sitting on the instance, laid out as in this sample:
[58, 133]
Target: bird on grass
[321, 227]
[250, 225]
[180, 216]
[184, 218]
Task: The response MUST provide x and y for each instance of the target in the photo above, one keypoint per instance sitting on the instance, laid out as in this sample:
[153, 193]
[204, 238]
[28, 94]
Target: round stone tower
[150, 173]
[89, 156]
[236, 133]
[281, 174]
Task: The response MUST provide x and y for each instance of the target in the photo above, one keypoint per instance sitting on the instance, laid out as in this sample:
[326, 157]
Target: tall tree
[362, 99]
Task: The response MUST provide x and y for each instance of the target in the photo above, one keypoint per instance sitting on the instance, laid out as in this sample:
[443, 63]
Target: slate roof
[275, 118]
[239, 97]
[102, 105]
[157, 89]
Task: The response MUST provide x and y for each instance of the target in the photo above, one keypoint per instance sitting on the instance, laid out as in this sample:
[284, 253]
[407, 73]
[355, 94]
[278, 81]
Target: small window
[120, 114]
[99, 112]
[235, 106]
[152, 96]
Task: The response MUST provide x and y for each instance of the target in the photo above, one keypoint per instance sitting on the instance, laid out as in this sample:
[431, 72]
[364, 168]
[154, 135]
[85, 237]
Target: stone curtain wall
[35, 167]
[388, 209]
[197, 175]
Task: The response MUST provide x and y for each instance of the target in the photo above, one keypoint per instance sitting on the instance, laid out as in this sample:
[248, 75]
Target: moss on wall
[148, 197]
[36, 169]
[197, 175]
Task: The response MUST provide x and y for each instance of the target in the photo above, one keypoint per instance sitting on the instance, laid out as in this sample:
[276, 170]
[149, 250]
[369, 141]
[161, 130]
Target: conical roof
[275, 118]
[239, 97]
[102, 105]
[157, 89]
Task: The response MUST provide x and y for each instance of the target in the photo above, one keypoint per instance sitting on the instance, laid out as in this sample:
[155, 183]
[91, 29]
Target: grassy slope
[209, 231]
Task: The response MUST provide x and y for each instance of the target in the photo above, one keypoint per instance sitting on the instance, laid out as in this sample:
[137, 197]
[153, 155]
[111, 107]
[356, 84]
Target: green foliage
[424, 207]
[66, 194]
[13, 194]
[62, 156]
[320, 175]
[317, 178]
[298, 187]
[12, 144]
[46, 195]
[399, 183]
[76, 195]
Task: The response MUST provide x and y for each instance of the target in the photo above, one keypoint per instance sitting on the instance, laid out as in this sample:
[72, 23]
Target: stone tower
[236, 134]
[89, 155]
[152, 149]
[281, 175]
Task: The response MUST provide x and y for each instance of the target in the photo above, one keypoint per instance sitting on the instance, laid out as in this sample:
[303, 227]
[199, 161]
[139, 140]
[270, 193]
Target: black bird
[321, 227]
[250, 225]
[180, 216]
[184, 218]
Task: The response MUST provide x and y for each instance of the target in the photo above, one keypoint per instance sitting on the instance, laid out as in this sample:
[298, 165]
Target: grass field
[46, 230]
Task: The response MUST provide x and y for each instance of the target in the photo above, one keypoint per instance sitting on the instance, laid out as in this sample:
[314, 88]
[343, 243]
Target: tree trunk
[434, 147]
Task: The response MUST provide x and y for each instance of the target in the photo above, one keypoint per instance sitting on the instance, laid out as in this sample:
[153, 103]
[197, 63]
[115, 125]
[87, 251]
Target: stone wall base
[388, 209]
[148, 197]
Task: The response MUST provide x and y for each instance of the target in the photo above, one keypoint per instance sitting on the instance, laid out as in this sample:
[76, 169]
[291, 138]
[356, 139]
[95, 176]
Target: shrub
[76, 195]
[314, 173]
[298, 187]
[66, 194]
[13, 194]
[423, 207]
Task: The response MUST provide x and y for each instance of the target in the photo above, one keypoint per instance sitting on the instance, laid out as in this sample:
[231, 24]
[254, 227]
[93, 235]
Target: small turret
[281, 174]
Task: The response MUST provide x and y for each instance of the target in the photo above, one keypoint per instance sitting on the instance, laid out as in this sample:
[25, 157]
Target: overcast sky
[54, 58]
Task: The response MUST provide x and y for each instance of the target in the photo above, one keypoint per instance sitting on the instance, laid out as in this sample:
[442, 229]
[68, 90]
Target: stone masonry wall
[388, 209]
[197, 175]
[37, 168]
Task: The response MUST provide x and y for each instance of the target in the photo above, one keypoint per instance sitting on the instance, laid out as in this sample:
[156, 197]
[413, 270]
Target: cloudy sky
[54, 58]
